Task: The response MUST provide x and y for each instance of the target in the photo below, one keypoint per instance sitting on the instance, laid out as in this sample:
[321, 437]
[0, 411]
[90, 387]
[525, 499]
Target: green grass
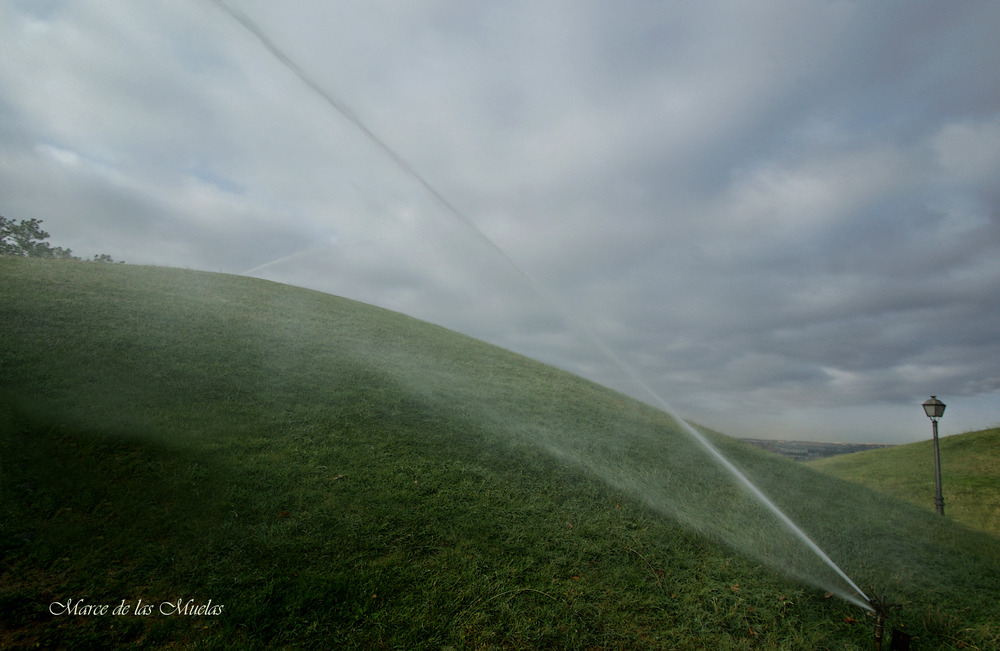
[970, 475]
[340, 476]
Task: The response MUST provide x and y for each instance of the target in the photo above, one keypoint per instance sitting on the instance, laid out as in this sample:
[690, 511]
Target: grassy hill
[970, 475]
[335, 475]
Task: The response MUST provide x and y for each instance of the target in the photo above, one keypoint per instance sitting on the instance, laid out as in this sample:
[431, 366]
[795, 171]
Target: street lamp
[934, 409]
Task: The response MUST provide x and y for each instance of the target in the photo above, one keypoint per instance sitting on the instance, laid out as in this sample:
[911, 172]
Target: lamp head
[934, 408]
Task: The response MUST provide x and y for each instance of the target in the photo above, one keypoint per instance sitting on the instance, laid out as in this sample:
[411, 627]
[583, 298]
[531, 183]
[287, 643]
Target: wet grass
[338, 476]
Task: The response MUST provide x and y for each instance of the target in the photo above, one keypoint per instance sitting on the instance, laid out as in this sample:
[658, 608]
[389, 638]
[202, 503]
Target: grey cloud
[771, 211]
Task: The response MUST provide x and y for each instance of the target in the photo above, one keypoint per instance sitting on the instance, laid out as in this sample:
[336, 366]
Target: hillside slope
[970, 475]
[334, 474]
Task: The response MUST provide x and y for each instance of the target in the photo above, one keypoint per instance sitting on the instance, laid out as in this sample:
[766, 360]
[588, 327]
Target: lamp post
[934, 409]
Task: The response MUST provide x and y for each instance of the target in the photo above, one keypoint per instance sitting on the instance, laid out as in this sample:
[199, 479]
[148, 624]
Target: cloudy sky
[783, 216]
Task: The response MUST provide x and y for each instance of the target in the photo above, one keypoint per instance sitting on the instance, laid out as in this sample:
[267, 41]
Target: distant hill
[970, 475]
[810, 450]
[271, 467]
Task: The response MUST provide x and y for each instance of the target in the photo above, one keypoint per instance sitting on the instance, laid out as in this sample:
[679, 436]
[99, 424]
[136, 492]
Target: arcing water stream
[858, 597]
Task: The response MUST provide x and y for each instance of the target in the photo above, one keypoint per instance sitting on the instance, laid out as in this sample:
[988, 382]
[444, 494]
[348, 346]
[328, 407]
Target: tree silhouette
[26, 239]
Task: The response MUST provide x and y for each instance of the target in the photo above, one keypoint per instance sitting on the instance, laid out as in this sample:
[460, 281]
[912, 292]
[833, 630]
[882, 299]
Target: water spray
[860, 598]
[294, 256]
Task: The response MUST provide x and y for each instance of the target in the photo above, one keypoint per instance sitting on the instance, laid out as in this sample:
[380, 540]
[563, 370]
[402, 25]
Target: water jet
[845, 587]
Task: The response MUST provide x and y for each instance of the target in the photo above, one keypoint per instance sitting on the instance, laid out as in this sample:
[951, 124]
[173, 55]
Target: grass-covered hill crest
[970, 475]
[335, 475]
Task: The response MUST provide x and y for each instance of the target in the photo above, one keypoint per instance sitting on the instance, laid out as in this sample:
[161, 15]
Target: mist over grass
[340, 473]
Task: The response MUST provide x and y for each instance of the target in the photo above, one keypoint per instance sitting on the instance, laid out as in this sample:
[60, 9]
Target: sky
[782, 217]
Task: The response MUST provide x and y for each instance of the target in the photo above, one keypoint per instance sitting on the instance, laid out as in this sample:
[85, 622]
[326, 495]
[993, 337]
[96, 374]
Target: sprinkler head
[881, 606]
